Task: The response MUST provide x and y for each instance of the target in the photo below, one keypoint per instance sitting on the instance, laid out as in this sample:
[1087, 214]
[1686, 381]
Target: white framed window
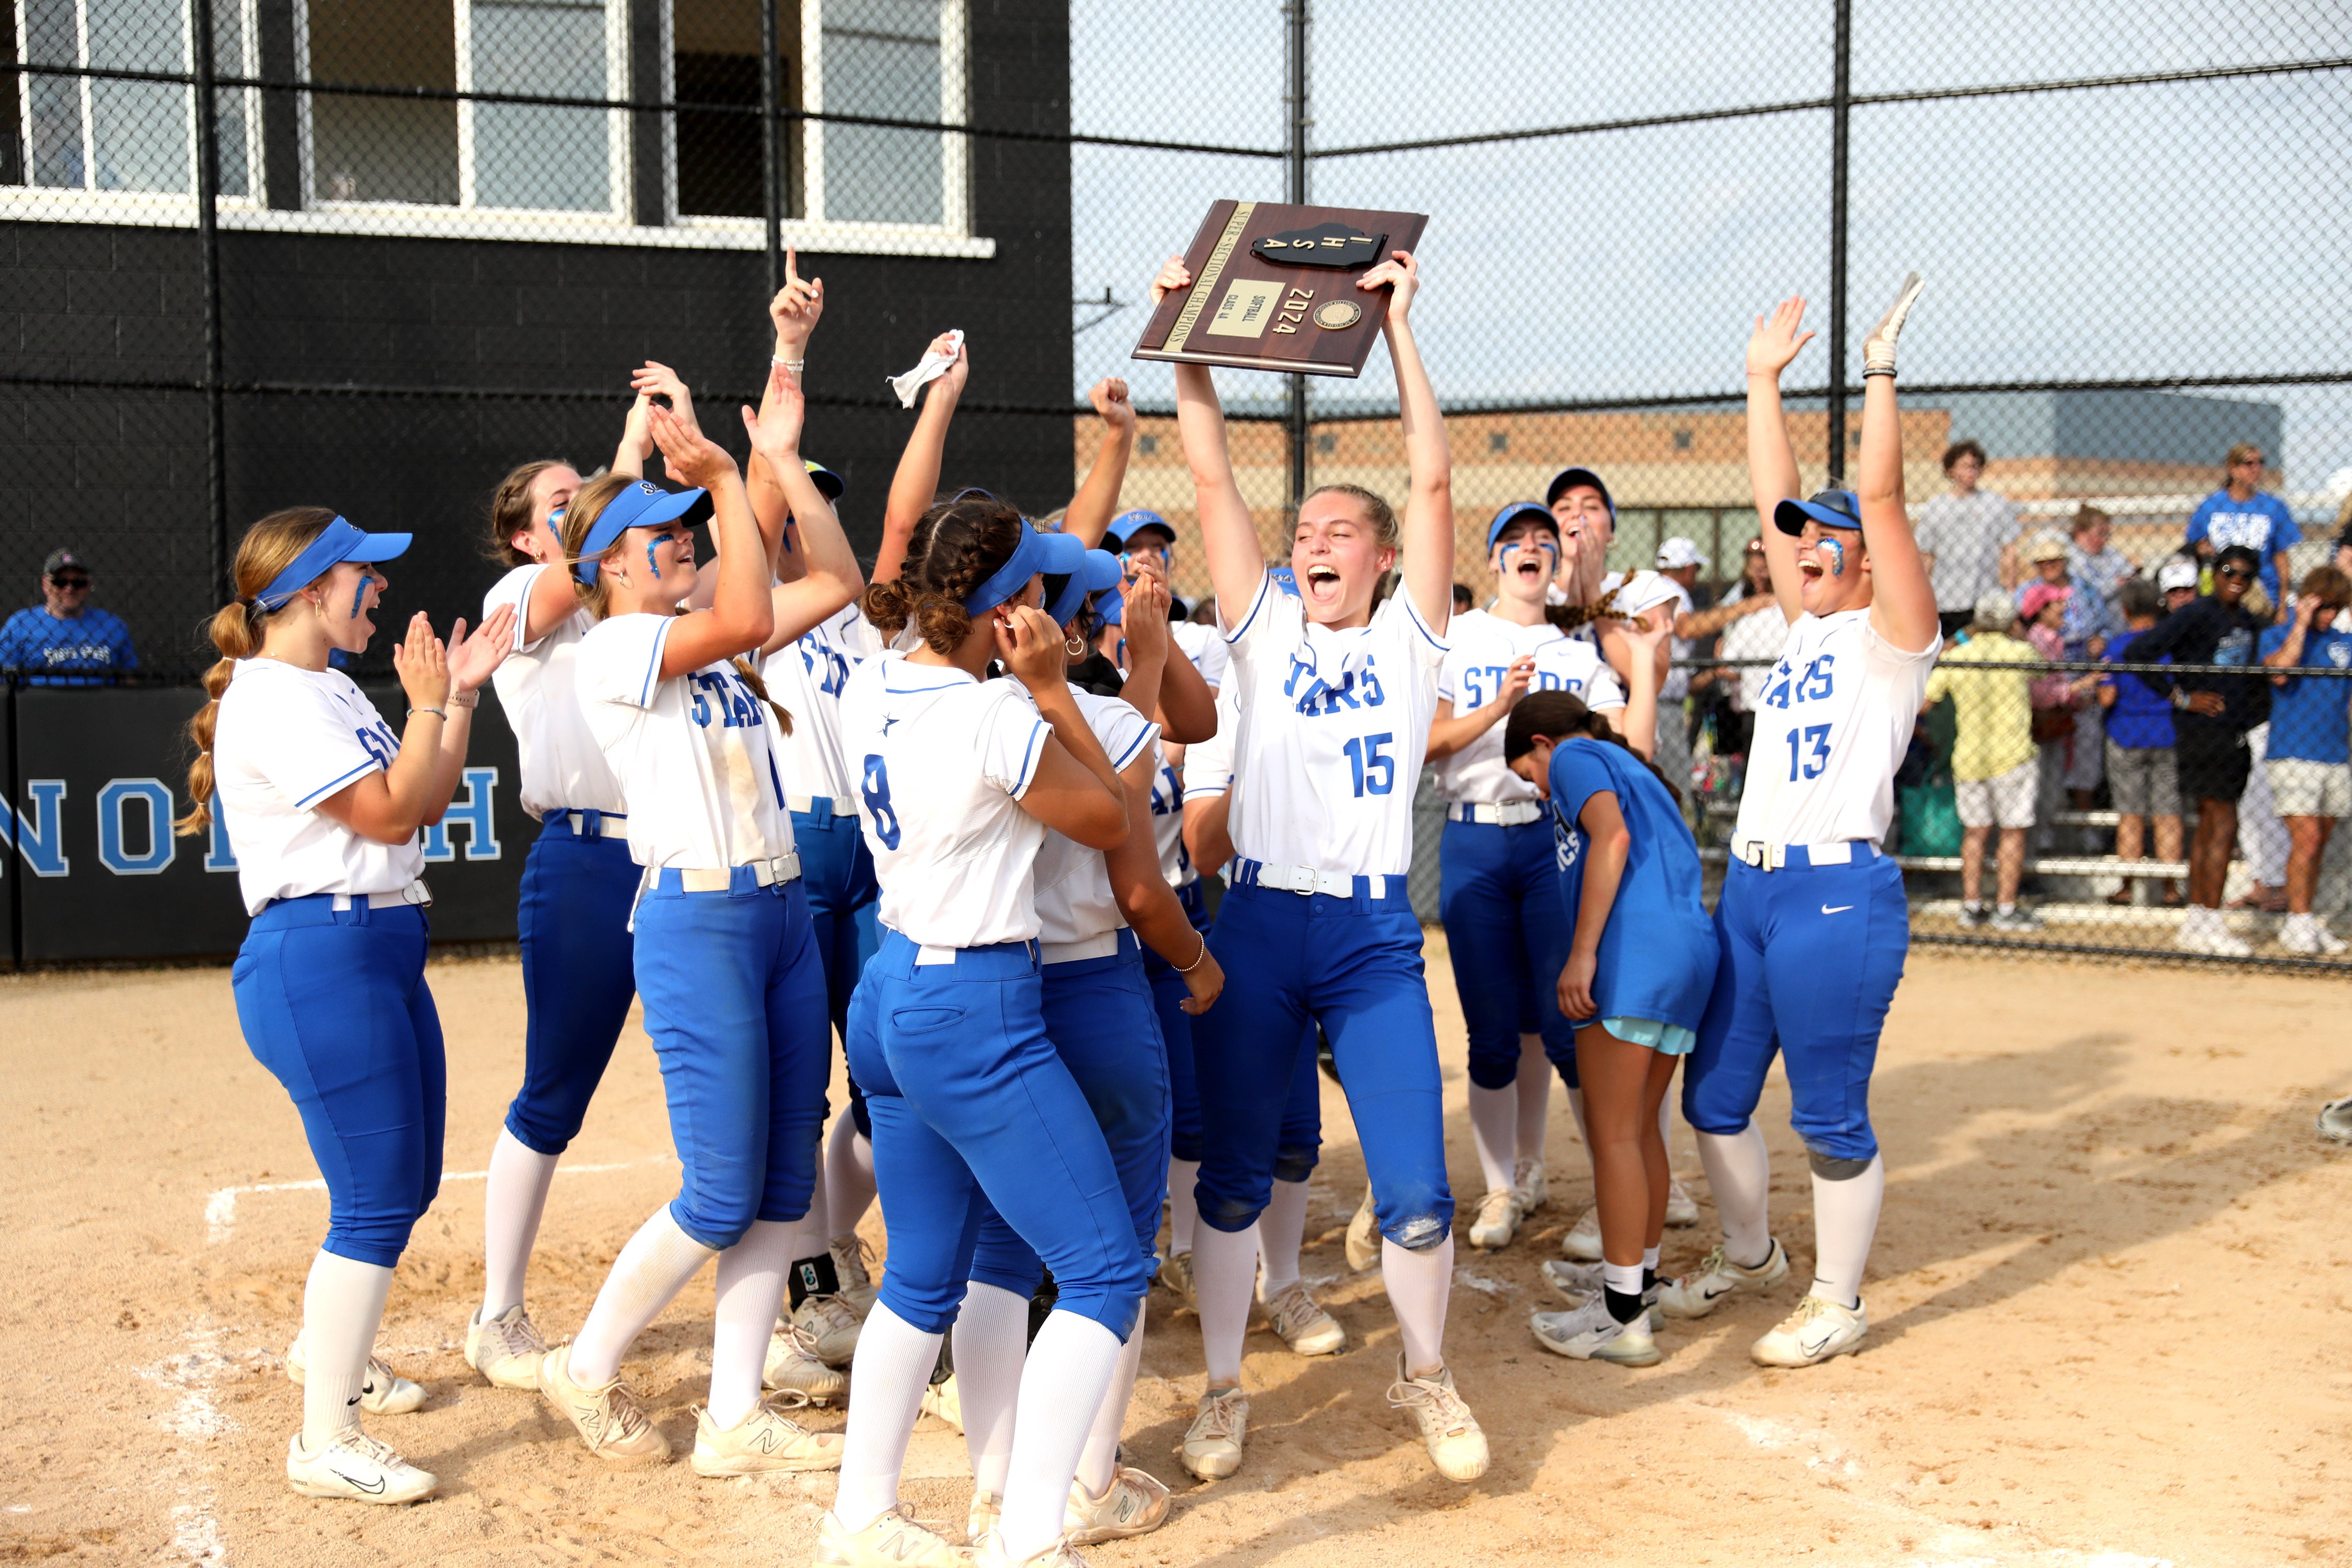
[84, 134]
[892, 60]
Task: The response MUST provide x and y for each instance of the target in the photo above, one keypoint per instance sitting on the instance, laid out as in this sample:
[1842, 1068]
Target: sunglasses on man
[69, 584]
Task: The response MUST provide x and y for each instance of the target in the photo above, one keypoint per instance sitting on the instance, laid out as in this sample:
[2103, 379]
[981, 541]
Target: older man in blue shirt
[66, 640]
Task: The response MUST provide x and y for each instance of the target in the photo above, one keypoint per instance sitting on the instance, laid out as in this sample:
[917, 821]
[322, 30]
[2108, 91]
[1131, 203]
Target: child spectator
[2142, 781]
[1992, 756]
[2310, 742]
[2058, 700]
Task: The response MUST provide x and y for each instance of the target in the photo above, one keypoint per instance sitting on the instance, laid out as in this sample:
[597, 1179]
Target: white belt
[782, 869]
[416, 893]
[843, 804]
[1775, 856]
[1307, 879]
[1101, 946]
[579, 819]
[1499, 813]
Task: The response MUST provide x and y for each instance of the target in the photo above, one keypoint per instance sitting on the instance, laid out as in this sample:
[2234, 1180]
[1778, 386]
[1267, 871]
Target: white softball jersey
[1074, 896]
[1334, 727]
[562, 767]
[1168, 819]
[1204, 648]
[695, 753]
[286, 739]
[1831, 726]
[942, 762]
[807, 676]
[1209, 765]
[1481, 649]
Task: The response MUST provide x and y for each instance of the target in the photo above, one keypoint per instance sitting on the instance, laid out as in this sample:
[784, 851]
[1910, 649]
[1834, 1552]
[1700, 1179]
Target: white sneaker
[1175, 1277]
[1682, 1209]
[893, 1541]
[2329, 943]
[1212, 1449]
[851, 1266]
[987, 1508]
[506, 1349]
[355, 1465]
[2203, 930]
[608, 1418]
[1302, 1324]
[382, 1392]
[1457, 1443]
[941, 1400]
[1573, 1282]
[1695, 1295]
[990, 1553]
[1588, 1334]
[1818, 1330]
[1364, 1236]
[1498, 1219]
[1584, 1242]
[793, 1367]
[832, 1325]
[1134, 1503]
[2336, 1120]
[765, 1442]
[1528, 1179]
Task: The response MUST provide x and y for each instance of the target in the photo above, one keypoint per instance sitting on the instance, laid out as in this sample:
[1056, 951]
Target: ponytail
[1558, 715]
[958, 545]
[759, 684]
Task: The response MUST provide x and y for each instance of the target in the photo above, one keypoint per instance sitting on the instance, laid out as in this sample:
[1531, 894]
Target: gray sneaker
[2336, 1120]
[1971, 916]
[2015, 919]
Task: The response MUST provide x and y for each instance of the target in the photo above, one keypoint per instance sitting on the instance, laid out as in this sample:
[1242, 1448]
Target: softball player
[725, 957]
[1812, 927]
[1335, 700]
[973, 1108]
[323, 803]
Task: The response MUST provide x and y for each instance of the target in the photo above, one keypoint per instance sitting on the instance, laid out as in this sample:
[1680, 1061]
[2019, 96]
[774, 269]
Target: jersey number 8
[876, 788]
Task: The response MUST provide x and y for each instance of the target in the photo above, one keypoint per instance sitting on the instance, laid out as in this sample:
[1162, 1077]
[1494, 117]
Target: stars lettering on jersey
[1320, 699]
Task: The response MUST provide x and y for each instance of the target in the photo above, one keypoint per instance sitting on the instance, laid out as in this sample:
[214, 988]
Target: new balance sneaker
[1682, 1209]
[1588, 1332]
[1303, 1324]
[851, 1258]
[505, 1349]
[832, 1325]
[2335, 1122]
[763, 1443]
[1133, 1504]
[1176, 1277]
[1364, 1236]
[1573, 1282]
[1818, 1330]
[382, 1392]
[1693, 1295]
[1528, 1179]
[986, 1509]
[1457, 1443]
[941, 1400]
[1498, 1219]
[893, 1541]
[1212, 1449]
[1584, 1243]
[991, 1553]
[794, 1367]
[607, 1417]
[355, 1465]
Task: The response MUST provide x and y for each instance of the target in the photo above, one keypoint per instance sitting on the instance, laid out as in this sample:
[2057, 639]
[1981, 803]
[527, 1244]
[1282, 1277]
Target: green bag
[1931, 819]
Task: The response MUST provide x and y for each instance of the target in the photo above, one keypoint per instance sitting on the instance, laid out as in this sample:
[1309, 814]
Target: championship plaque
[1273, 288]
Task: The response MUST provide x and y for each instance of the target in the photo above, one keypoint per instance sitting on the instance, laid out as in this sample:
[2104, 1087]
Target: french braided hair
[1559, 715]
[1567, 617]
[965, 542]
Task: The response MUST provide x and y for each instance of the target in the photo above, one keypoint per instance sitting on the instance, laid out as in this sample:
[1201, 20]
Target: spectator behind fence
[2060, 702]
[2142, 779]
[2212, 712]
[1462, 600]
[1968, 538]
[1993, 778]
[2310, 745]
[66, 640]
[2238, 514]
[2098, 574]
[1753, 633]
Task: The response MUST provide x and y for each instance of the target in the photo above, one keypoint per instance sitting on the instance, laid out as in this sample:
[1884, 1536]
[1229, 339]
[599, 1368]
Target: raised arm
[1901, 600]
[741, 615]
[917, 483]
[1183, 703]
[828, 576]
[1228, 535]
[1429, 502]
[794, 312]
[1771, 460]
[389, 806]
[1096, 502]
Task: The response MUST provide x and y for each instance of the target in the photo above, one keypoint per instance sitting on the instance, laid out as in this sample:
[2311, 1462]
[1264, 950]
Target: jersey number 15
[1374, 769]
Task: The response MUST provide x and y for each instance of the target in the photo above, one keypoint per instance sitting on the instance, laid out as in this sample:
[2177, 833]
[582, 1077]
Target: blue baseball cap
[1579, 475]
[1046, 554]
[1285, 579]
[644, 504]
[337, 542]
[1127, 524]
[1516, 511]
[1831, 508]
[1098, 570]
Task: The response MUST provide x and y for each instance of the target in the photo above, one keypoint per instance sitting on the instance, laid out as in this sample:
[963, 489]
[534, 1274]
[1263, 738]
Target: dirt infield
[2112, 1318]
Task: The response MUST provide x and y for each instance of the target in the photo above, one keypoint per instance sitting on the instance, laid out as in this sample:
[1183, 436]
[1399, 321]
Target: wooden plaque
[1273, 288]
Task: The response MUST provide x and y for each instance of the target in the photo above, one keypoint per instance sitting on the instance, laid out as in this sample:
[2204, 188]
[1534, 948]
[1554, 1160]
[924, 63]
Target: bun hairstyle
[964, 542]
[1377, 510]
[510, 510]
[268, 548]
[1556, 716]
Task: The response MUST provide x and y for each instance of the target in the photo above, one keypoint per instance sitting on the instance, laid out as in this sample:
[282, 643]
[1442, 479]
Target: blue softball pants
[1354, 964]
[1809, 957]
[735, 1004]
[1299, 1145]
[837, 870]
[975, 1112]
[1499, 898]
[1099, 1015]
[334, 1003]
[577, 973]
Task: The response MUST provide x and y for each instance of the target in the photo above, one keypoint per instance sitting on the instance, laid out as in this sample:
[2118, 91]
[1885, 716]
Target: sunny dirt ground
[2111, 1304]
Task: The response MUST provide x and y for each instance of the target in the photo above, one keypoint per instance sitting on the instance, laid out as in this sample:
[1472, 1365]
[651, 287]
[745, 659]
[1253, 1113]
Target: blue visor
[338, 542]
[829, 485]
[1099, 570]
[1518, 511]
[1046, 555]
[1831, 508]
[642, 505]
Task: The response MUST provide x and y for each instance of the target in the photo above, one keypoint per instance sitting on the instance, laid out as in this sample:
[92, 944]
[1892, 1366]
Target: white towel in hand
[934, 365]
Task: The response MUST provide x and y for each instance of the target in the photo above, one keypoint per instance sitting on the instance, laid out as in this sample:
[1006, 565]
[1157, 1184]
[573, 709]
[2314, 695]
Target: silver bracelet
[793, 365]
[1187, 969]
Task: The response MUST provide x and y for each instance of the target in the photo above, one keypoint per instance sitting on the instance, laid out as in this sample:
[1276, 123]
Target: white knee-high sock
[1281, 1232]
[1184, 1204]
[513, 1197]
[648, 1275]
[1534, 1090]
[1494, 1132]
[991, 1343]
[1099, 1461]
[1845, 1218]
[885, 1383]
[342, 1305]
[1224, 1267]
[1061, 1393]
[1419, 1284]
[751, 1289]
[849, 1176]
[1739, 1172]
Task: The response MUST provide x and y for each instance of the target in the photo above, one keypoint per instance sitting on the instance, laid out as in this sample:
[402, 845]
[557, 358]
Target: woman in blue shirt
[1641, 966]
